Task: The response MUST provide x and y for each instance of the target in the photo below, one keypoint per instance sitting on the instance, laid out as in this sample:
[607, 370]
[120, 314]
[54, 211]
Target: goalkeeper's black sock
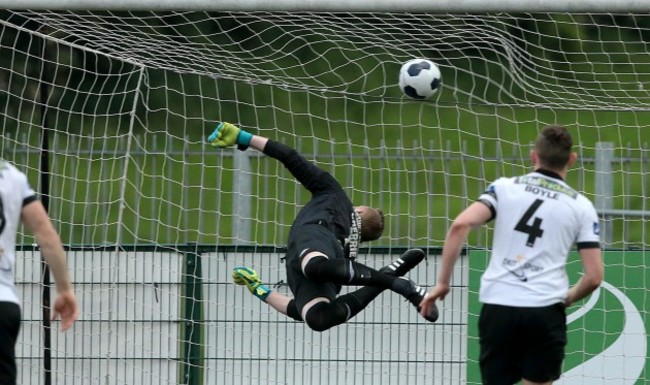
[358, 300]
[346, 272]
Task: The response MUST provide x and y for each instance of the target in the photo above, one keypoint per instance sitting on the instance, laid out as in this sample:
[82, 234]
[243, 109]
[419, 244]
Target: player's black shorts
[9, 328]
[306, 239]
[519, 342]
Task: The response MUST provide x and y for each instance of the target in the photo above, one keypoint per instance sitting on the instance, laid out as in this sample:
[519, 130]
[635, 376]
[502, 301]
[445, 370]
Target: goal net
[155, 219]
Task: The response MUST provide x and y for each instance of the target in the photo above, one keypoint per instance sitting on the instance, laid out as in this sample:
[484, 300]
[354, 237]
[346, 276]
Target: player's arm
[592, 265]
[259, 142]
[313, 178]
[38, 222]
[588, 243]
[477, 214]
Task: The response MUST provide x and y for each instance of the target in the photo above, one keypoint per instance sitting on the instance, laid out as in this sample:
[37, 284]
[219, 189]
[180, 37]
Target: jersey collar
[549, 173]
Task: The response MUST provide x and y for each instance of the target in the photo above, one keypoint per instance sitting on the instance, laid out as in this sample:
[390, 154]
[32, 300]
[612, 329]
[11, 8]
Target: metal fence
[171, 315]
[172, 191]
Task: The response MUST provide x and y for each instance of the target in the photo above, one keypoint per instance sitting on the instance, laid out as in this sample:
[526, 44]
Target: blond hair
[372, 224]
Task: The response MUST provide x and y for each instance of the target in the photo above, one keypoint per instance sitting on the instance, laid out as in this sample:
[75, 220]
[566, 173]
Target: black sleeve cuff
[489, 205]
[588, 245]
[29, 200]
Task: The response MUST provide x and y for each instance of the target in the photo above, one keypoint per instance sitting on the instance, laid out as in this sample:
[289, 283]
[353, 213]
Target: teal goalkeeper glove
[227, 134]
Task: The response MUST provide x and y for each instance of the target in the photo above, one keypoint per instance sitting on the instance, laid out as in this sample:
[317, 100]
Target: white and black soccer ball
[419, 78]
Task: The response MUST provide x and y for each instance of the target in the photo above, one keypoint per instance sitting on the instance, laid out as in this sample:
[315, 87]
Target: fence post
[243, 195]
[192, 329]
[604, 188]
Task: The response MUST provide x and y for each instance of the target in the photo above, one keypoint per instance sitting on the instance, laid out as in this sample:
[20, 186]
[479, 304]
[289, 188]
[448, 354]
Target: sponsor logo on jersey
[547, 184]
[518, 267]
[353, 240]
[596, 228]
[491, 190]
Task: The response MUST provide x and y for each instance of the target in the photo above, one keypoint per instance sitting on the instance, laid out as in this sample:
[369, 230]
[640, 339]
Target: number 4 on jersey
[534, 231]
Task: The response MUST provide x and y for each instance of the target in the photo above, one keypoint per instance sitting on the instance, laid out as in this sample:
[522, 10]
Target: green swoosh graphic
[623, 361]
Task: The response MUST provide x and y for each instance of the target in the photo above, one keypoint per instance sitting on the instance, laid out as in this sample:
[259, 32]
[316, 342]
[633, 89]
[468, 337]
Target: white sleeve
[27, 193]
[589, 233]
[490, 196]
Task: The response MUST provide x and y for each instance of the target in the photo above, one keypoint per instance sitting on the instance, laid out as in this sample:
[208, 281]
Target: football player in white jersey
[18, 202]
[525, 289]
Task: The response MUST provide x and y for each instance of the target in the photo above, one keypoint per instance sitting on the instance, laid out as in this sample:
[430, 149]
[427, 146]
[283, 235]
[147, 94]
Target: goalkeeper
[322, 246]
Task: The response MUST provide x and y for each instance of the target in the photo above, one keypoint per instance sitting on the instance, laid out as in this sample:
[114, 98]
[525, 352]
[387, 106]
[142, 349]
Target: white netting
[128, 98]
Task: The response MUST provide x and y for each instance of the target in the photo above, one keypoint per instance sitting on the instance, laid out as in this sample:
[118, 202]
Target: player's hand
[66, 308]
[227, 134]
[437, 292]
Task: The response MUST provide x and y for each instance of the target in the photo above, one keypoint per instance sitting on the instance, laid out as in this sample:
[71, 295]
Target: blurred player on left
[18, 202]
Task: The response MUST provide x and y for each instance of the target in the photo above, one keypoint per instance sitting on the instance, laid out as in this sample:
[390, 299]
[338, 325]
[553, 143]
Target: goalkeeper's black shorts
[308, 238]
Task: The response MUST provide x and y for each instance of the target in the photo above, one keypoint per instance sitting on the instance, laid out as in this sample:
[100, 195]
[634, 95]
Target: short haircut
[372, 224]
[553, 147]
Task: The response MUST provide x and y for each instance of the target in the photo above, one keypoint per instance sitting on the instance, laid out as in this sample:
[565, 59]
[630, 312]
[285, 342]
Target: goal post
[461, 6]
[155, 219]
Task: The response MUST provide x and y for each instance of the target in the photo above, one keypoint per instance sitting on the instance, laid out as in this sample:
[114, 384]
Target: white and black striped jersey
[537, 220]
[15, 193]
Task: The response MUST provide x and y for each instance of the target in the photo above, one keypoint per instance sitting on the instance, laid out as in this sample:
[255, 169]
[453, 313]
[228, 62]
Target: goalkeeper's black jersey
[329, 206]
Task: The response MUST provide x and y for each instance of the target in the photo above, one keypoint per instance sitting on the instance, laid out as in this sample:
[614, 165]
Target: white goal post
[125, 92]
[448, 6]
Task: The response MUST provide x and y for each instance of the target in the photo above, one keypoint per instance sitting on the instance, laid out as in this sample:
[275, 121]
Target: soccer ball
[419, 78]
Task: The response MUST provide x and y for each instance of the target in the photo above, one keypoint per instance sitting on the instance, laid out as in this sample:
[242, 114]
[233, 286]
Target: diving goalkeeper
[322, 246]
